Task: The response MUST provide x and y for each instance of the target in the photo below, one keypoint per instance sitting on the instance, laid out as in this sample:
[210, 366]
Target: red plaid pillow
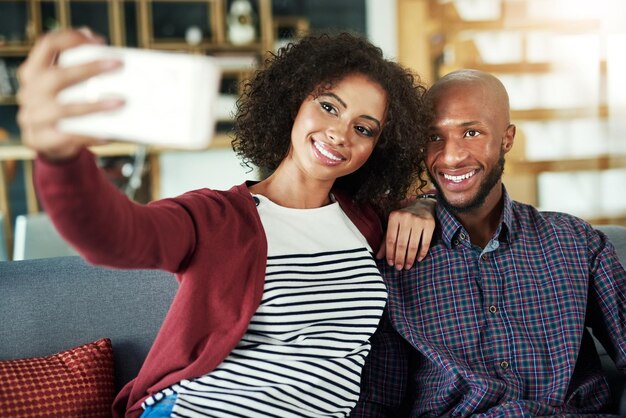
[74, 383]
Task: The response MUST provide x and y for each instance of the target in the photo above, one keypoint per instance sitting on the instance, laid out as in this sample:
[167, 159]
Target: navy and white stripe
[305, 347]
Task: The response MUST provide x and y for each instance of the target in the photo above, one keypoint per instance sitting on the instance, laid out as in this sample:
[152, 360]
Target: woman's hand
[41, 80]
[409, 232]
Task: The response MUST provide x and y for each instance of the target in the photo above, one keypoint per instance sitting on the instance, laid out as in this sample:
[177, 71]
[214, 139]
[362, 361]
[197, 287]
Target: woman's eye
[472, 133]
[328, 107]
[364, 131]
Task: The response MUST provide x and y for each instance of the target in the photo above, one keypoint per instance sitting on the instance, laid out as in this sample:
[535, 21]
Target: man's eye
[472, 133]
[433, 138]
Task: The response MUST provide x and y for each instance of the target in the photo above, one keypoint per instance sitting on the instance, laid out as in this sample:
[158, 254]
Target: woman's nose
[338, 134]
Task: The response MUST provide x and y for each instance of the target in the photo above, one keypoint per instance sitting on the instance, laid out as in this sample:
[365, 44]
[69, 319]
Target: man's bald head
[468, 79]
[470, 134]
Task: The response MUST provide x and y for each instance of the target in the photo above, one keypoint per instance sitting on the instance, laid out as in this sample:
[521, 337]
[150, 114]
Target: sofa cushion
[73, 383]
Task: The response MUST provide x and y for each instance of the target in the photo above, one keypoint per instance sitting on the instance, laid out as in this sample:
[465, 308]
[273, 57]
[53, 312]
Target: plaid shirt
[500, 331]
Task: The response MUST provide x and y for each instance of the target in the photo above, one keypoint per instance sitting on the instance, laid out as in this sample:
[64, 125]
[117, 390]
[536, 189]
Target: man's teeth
[458, 179]
[325, 152]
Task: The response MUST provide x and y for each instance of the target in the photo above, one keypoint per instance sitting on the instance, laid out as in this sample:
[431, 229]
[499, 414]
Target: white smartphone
[170, 98]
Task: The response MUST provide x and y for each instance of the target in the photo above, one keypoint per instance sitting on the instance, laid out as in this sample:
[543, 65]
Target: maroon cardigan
[212, 240]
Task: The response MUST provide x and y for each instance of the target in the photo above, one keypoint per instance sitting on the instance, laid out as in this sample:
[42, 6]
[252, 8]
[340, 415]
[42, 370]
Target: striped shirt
[501, 331]
[305, 347]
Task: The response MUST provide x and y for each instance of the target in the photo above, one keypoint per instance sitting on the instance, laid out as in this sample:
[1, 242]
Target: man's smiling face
[469, 137]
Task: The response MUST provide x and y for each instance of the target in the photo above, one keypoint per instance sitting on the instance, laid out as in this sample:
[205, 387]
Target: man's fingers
[390, 245]
[408, 236]
[426, 240]
[382, 249]
[402, 245]
[399, 232]
[412, 249]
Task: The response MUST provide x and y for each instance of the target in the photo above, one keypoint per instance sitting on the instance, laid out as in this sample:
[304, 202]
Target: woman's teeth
[325, 152]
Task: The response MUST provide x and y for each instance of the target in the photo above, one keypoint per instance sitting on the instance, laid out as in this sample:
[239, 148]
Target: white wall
[215, 168]
[381, 25]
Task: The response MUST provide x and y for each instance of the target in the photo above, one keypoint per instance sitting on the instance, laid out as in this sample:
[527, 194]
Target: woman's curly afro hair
[271, 100]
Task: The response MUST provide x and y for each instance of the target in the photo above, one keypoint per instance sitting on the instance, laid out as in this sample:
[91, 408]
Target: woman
[279, 292]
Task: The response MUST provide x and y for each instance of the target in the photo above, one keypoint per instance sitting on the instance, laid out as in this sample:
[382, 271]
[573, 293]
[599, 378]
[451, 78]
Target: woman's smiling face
[336, 130]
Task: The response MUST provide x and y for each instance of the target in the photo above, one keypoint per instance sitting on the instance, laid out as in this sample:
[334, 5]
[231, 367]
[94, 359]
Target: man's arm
[607, 298]
[385, 374]
[409, 232]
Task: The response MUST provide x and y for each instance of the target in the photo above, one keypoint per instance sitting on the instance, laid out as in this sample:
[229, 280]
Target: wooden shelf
[15, 150]
[560, 113]
[8, 50]
[524, 67]
[205, 47]
[220, 140]
[574, 26]
[513, 16]
[516, 67]
[8, 101]
[613, 219]
[597, 163]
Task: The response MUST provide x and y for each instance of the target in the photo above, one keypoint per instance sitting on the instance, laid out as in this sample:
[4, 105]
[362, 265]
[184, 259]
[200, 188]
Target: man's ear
[509, 138]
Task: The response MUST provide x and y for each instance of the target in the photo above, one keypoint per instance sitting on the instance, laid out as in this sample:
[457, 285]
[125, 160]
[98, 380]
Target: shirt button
[456, 242]
[493, 309]
[483, 257]
[504, 364]
[462, 236]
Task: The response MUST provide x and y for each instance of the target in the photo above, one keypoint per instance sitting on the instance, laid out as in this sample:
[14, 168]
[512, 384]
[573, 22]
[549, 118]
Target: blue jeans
[161, 409]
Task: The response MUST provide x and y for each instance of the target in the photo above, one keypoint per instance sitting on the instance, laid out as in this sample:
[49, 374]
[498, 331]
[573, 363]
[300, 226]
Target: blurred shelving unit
[239, 33]
[555, 59]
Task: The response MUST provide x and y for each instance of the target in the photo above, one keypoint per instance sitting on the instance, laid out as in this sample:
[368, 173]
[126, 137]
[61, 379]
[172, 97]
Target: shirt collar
[453, 232]
[506, 223]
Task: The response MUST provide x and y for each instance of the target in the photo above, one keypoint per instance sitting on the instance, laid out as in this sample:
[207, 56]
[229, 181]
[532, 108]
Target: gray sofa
[49, 305]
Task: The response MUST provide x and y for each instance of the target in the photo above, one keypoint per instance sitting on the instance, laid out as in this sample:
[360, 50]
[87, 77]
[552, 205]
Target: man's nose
[454, 151]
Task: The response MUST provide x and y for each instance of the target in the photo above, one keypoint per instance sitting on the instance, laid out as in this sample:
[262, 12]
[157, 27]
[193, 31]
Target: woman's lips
[327, 155]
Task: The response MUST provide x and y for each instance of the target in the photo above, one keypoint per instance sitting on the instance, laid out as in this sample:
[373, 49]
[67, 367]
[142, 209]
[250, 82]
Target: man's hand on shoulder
[409, 233]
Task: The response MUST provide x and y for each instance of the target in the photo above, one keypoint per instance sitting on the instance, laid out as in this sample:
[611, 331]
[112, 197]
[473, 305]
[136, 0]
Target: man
[495, 316]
